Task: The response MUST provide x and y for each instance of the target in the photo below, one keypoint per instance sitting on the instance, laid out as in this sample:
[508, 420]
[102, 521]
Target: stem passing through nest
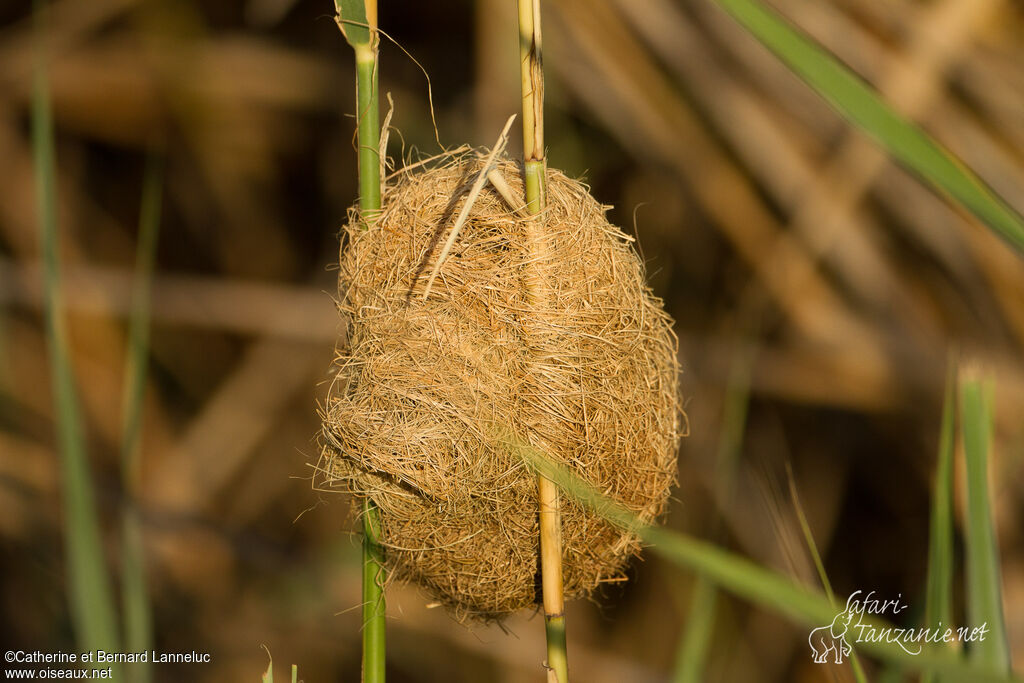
[532, 82]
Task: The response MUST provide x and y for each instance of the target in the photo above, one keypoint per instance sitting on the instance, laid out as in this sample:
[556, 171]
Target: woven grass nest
[545, 332]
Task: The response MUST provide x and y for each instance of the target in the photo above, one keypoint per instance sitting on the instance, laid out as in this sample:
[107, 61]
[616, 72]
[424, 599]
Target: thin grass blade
[268, 675]
[864, 107]
[819, 565]
[747, 580]
[939, 591]
[984, 592]
[691, 654]
[91, 602]
[136, 611]
[891, 674]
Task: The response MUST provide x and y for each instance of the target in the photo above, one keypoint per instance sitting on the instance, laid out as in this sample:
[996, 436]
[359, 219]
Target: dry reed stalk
[489, 172]
[532, 85]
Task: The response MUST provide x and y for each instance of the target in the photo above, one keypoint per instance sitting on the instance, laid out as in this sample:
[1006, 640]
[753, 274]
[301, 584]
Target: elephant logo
[832, 638]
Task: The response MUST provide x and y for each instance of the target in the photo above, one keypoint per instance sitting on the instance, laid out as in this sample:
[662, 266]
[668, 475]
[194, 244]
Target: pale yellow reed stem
[532, 75]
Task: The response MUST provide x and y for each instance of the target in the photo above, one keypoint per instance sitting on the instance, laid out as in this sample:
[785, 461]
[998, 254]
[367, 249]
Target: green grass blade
[91, 603]
[353, 23]
[939, 591]
[812, 545]
[268, 675]
[691, 655]
[862, 106]
[819, 565]
[891, 675]
[984, 594]
[137, 616]
[744, 578]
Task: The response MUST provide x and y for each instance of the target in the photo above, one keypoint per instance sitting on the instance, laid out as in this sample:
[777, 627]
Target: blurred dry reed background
[791, 252]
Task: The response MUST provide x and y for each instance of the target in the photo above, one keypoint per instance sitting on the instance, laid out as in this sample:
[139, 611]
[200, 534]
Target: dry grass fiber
[427, 389]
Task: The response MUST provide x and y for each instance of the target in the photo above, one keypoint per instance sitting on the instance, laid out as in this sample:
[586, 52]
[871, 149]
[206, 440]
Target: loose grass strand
[812, 547]
[91, 602]
[483, 176]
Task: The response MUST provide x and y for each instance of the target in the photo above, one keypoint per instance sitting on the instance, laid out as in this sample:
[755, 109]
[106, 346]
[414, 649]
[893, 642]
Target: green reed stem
[91, 603]
[373, 597]
[368, 131]
[358, 22]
